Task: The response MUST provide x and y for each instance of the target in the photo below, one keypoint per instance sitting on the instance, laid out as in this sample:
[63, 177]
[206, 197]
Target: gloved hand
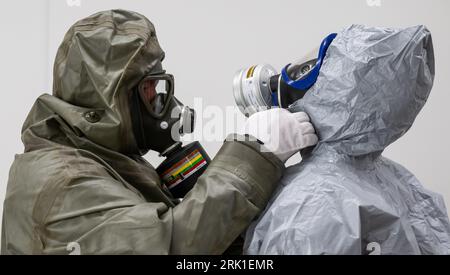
[282, 132]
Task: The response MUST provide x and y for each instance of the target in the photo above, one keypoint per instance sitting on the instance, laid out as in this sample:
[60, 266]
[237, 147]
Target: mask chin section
[289, 95]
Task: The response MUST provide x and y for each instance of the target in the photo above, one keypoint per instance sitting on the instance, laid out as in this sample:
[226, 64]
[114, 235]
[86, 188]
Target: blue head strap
[306, 82]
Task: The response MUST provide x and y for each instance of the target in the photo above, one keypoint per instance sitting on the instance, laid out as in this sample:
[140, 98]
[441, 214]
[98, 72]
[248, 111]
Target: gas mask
[260, 87]
[159, 120]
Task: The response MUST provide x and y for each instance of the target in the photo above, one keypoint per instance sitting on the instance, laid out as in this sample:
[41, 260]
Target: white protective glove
[282, 132]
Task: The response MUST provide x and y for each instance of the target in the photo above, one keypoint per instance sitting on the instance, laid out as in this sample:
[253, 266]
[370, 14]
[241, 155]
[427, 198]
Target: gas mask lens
[156, 92]
[300, 69]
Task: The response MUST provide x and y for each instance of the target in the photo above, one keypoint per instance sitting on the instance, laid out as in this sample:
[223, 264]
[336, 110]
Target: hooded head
[102, 58]
[373, 84]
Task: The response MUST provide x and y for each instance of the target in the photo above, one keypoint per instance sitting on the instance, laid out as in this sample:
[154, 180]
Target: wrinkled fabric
[345, 197]
[80, 182]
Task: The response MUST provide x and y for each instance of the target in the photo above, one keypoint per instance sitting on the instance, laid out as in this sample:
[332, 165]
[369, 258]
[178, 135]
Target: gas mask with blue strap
[260, 87]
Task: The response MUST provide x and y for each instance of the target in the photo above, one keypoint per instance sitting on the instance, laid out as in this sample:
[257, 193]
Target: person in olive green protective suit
[81, 180]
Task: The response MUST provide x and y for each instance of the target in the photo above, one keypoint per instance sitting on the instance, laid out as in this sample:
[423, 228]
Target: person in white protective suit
[345, 197]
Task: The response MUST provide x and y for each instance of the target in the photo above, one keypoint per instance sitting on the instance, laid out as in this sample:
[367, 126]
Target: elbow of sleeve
[258, 172]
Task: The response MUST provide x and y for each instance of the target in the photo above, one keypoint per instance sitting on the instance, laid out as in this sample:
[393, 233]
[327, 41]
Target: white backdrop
[24, 74]
[207, 41]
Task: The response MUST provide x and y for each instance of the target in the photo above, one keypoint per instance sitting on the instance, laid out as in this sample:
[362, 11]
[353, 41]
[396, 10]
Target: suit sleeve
[103, 216]
[232, 191]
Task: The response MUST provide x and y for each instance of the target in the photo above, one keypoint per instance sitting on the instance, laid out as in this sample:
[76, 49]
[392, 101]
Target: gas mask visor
[156, 92]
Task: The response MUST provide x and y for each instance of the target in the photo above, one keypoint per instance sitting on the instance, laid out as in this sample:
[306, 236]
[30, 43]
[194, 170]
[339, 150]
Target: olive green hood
[100, 60]
[80, 180]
